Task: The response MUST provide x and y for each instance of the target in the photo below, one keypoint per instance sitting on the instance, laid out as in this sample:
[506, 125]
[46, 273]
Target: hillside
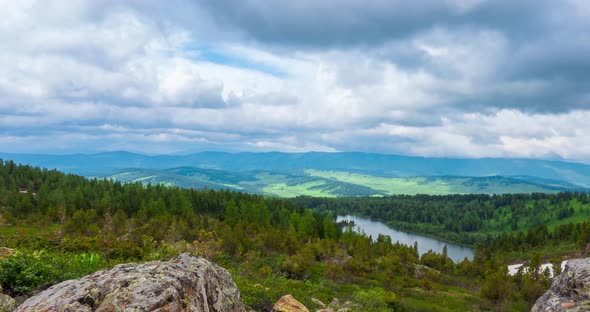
[322, 183]
[60, 227]
[325, 174]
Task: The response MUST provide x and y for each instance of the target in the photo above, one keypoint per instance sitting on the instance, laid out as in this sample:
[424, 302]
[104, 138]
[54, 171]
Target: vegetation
[465, 219]
[321, 183]
[559, 175]
[66, 226]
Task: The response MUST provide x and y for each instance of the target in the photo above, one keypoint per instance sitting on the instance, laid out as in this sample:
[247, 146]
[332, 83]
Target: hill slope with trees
[64, 226]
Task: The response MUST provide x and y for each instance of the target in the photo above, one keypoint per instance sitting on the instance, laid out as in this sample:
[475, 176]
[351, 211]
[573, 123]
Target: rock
[570, 290]
[422, 271]
[6, 252]
[318, 302]
[186, 283]
[7, 303]
[335, 304]
[20, 299]
[288, 304]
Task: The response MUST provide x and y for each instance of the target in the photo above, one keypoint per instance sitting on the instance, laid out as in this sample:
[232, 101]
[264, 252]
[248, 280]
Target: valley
[324, 174]
[274, 246]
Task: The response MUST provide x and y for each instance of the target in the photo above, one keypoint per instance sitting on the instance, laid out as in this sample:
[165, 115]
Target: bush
[22, 273]
[377, 299]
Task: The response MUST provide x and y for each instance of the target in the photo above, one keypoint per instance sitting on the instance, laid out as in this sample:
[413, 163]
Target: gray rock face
[7, 303]
[186, 283]
[570, 291]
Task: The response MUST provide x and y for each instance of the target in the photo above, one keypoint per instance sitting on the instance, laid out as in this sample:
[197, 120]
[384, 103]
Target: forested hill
[66, 226]
[538, 171]
[467, 219]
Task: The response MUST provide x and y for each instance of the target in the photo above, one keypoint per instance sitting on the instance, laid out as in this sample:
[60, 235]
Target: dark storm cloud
[349, 22]
[547, 42]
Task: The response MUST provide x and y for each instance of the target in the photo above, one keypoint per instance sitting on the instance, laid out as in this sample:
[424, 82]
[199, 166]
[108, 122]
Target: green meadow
[328, 183]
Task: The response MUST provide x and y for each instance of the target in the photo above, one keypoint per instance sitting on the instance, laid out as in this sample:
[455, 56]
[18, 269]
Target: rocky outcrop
[7, 303]
[289, 304]
[570, 291]
[186, 283]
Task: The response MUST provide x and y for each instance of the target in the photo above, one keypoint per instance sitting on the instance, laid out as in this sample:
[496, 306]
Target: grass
[581, 214]
[325, 183]
[431, 185]
[284, 190]
[441, 298]
[391, 186]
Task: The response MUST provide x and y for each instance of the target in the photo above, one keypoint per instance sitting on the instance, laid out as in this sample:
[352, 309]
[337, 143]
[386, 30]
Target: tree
[556, 266]
[232, 215]
[497, 288]
[329, 227]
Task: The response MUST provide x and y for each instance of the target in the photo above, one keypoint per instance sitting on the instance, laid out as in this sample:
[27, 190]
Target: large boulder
[186, 283]
[570, 290]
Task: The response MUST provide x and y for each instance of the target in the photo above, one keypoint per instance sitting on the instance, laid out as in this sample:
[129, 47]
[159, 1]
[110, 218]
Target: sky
[450, 78]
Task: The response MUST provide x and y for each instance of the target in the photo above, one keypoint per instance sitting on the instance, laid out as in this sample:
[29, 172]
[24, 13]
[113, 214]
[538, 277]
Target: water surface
[373, 228]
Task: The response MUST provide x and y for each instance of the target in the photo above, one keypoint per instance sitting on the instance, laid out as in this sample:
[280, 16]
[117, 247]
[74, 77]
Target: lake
[373, 228]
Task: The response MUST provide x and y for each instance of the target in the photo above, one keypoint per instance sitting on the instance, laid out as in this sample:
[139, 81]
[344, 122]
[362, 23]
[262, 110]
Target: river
[373, 228]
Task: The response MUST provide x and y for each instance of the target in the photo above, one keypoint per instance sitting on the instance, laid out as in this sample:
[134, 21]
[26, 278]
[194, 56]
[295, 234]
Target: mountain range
[324, 174]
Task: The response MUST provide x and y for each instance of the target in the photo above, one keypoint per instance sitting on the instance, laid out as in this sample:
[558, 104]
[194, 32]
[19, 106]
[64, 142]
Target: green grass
[284, 190]
[581, 214]
[431, 185]
[391, 186]
[323, 183]
[440, 298]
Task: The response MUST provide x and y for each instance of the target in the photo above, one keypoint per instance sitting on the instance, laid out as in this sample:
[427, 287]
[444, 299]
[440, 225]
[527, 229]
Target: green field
[324, 183]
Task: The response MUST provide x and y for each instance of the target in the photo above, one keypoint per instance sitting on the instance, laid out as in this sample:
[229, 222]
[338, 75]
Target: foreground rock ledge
[570, 290]
[186, 283]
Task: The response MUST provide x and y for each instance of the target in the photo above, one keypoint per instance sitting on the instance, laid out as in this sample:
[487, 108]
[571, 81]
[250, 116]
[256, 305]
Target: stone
[318, 302]
[289, 304]
[570, 290]
[422, 271]
[335, 304]
[7, 303]
[185, 283]
[6, 252]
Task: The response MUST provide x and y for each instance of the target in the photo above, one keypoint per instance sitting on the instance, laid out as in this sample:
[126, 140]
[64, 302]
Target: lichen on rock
[186, 283]
[7, 303]
[570, 291]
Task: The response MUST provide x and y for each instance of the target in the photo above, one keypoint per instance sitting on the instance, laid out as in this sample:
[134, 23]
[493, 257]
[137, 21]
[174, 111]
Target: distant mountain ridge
[375, 164]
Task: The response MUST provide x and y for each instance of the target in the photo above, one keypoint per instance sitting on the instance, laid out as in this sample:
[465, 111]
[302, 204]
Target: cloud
[351, 22]
[464, 78]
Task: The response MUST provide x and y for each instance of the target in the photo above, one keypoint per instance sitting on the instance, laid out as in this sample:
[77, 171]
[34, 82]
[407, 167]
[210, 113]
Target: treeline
[99, 208]
[577, 234]
[65, 226]
[467, 219]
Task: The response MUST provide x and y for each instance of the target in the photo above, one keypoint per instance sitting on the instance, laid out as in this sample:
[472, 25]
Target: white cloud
[90, 76]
